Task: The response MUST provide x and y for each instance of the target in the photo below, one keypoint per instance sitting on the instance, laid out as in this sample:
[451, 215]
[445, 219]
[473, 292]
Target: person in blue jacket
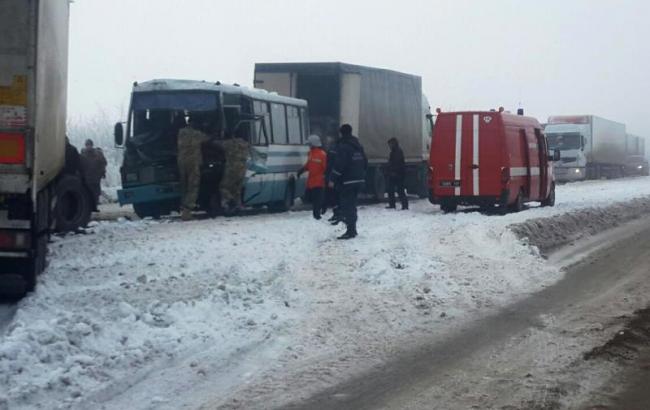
[348, 177]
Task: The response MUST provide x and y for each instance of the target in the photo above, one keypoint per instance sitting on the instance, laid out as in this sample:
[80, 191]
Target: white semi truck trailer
[39, 191]
[379, 104]
[591, 147]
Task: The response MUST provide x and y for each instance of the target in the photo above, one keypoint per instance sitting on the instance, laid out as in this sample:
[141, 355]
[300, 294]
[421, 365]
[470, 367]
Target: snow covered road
[241, 311]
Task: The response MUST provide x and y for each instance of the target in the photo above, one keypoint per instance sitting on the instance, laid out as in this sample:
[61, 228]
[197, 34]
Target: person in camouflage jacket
[190, 140]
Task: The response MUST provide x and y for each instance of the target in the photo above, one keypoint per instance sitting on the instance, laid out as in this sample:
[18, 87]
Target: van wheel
[73, 205]
[550, 200]
[448, 206]
[518, 206]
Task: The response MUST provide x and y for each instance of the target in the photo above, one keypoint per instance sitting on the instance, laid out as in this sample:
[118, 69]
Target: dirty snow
[229, 312]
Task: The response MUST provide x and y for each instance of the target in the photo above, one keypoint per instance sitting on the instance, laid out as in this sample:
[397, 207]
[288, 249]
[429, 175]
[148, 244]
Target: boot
[186, 214]
[350, 233]
[391, 206]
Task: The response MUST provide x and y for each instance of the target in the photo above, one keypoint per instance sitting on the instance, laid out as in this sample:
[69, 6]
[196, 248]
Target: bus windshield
[564, 141]
[156, 119]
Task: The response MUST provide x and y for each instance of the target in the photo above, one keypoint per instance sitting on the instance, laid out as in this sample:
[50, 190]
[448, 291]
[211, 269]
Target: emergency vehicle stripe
[475, 182]
[459, 137]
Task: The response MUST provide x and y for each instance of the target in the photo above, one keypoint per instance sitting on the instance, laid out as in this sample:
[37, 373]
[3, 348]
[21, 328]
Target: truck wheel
[448, 206]
[73, 205]
[423, 186]
[37, 265]
[550, 200]
[378, 185]
[518, 206]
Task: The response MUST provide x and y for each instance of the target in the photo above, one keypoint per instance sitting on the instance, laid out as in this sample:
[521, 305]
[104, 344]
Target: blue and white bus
[276, 127]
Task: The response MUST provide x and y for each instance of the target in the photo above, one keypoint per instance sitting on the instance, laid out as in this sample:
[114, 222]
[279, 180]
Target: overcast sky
[553, 57]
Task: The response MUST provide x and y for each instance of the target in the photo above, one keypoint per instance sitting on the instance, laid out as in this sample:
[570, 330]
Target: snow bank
[548, 234]
[166, 314]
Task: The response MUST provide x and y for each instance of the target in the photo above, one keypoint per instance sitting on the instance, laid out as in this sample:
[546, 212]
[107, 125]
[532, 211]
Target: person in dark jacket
[93, 165]
[395, 175]
[348, 177]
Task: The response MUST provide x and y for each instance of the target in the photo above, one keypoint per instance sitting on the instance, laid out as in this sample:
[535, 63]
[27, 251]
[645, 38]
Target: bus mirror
[118, 133]
[429, 116]
[556, 155]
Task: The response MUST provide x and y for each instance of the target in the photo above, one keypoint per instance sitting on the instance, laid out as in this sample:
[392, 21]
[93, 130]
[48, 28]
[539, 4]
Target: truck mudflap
[148, 193]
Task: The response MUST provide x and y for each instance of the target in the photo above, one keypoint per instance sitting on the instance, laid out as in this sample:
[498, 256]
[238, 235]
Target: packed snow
[231, 311]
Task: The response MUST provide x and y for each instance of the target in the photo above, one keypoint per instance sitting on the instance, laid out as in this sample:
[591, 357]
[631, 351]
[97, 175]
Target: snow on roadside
[148, 310]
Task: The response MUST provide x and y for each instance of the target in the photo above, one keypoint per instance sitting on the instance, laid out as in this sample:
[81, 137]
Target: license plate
[450, 183]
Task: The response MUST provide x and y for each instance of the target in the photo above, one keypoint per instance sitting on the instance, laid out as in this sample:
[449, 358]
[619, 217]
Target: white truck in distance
[591, 147]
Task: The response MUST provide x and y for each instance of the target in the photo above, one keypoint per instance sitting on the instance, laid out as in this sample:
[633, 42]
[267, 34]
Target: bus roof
[194, 85]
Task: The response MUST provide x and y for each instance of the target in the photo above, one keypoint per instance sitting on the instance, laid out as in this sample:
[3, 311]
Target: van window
[279, 123]
[262, 108]
[293, 125]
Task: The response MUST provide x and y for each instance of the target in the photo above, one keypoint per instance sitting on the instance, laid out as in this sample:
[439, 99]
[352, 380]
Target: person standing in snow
[190, 156]
[93, 164]
[348, 177]
[315, 167]
[395, 175]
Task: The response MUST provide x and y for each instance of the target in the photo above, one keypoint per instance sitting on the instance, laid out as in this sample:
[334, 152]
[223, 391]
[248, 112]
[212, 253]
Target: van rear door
[468, 154]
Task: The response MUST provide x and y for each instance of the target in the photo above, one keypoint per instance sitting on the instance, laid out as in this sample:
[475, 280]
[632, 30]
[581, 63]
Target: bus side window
[262, 133]
[293, 125]
[304, 124]
[279, 124]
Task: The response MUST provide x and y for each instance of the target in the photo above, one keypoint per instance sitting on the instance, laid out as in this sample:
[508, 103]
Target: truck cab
[570, 140]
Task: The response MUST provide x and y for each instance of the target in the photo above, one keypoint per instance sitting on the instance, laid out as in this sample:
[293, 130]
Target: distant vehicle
[39, 191]
[276, 127]
[591, 147]
[636, 165]
[489, 159]
[379, 104]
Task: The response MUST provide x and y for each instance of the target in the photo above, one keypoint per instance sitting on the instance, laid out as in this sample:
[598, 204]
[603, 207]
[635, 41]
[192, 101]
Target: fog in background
[551, 57]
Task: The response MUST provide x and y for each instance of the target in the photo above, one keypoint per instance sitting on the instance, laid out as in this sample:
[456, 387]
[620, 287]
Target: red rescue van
[489, 159]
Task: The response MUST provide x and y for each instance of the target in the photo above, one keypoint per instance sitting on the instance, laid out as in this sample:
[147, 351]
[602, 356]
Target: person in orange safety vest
[315, 167]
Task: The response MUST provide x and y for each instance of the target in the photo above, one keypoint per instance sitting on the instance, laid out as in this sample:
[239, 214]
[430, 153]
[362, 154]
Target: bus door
[259, 181]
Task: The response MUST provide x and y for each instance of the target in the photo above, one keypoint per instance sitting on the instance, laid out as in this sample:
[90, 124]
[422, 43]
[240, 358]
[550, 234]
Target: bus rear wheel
[148, 210]
[287, 202]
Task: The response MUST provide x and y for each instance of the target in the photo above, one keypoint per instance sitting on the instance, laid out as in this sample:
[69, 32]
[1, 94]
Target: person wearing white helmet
[315, 167]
